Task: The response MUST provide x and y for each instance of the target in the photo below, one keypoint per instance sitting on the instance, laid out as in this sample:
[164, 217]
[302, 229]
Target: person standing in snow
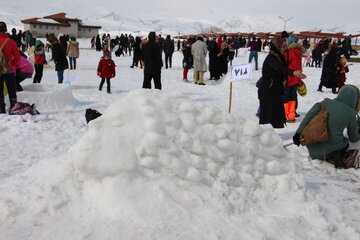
[343, 114]
[106, 70]
[199, 51]
[73, 52]
[11, 55]
[137, 53]
[272, 83]
[341, 70]
[59, 57]
[294, 60]
[39, 61]
[151, 57]
[328, 75]
[187, 60]
[168, 50]
[254, 49]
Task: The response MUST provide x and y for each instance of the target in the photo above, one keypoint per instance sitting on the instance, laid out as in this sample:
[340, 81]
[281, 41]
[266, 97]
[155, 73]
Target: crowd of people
[281, 77]
[17, 48]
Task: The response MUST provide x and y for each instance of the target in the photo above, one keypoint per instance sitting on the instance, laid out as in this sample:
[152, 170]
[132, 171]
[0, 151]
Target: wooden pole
[287, 145]
[230, 97]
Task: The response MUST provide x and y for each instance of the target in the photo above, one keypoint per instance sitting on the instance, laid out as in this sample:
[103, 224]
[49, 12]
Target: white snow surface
[170, 164]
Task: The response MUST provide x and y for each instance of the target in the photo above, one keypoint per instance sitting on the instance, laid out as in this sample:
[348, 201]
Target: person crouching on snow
[342, 114]
[106, 70]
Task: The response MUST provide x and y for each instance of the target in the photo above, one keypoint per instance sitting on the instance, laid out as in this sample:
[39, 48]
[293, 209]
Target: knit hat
[292, 39]
[38, 43]
[73, 38]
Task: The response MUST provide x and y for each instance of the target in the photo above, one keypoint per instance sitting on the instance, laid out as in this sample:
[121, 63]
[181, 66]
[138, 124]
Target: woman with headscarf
[59, 57]
[271, 85]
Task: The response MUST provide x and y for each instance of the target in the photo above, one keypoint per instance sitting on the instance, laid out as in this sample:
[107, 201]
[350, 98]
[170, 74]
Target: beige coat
[73, 49]
[199, 51]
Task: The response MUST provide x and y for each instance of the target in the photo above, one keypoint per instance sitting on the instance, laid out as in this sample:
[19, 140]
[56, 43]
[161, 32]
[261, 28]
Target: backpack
[91, 114]
[316, 129]
[3, 63]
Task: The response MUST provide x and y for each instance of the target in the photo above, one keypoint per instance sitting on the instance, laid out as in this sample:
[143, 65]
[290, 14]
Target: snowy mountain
[115, 21]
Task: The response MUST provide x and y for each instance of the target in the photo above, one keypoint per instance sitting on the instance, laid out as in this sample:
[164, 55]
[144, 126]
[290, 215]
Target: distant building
[59, 23]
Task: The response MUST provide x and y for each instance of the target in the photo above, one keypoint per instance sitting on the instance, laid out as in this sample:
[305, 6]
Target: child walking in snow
[106, 70]
[341, 70]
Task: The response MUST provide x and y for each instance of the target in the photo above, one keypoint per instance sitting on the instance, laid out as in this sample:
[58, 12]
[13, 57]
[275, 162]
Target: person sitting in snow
[343, 114]
[106, 70]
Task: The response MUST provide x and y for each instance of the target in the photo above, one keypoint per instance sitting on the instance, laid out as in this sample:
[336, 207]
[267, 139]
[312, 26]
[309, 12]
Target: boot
[13, 101]
[320, 88]
[286, 110]
[291, 114]
[2, 109]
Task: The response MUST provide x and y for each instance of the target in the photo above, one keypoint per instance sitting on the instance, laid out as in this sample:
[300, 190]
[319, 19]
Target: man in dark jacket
[150, 55]
[254, 49]
[168, 50]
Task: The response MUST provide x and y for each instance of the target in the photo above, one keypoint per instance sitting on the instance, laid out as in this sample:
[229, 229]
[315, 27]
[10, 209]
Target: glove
[296, 139]
[98, 74]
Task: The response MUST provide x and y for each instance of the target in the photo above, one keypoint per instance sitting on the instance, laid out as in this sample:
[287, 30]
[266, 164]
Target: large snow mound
[155, 158]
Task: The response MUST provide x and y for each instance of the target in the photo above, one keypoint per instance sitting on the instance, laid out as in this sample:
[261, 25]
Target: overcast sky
[307, 13]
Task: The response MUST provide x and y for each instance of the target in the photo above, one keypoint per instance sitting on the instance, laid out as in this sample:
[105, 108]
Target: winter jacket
[23, 66]
[188, 59]
[106, 68]
[168, 46]
[271, 87]
[10, 52]
[343, 114]
[39, 55]
[151, 55]
[59, 56]
[294, 60]
[328, 74]
[199, 51]
[254, 46]
[73, 49]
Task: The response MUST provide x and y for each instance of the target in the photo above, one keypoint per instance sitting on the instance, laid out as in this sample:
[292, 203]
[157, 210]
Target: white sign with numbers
[241, 72]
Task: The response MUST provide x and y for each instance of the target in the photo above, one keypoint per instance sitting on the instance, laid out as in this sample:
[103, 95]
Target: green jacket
[342, 115]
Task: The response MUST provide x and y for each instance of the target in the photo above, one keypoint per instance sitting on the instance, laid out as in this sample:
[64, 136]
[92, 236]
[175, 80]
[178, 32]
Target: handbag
[316, 130]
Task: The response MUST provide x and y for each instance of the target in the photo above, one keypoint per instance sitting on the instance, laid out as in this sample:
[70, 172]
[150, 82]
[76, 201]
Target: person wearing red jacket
[11, 55]
[294, 60]
[106, 70]
[39, 61]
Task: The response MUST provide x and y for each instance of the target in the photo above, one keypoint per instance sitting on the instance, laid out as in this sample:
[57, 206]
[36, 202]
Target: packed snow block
[49, 98]
[176, 151]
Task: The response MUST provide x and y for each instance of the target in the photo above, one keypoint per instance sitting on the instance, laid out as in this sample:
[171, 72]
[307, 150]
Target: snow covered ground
[170, 164]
